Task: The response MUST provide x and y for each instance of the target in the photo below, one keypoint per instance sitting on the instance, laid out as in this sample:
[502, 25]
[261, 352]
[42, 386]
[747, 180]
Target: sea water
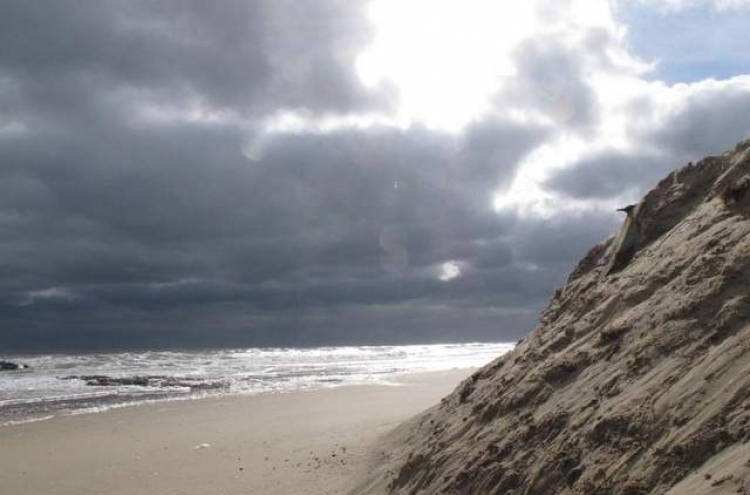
[72, 384]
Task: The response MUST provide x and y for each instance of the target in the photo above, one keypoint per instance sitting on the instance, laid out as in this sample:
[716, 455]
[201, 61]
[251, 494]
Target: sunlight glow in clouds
[445, 57]
[451, 61]
[454, 62]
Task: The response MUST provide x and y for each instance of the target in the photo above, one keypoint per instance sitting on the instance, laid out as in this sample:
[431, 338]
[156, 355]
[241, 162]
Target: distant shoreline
[398, 381]
[75, 384]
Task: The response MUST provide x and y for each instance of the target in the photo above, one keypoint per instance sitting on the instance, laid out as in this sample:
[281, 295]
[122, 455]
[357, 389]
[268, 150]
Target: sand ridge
[636, 380]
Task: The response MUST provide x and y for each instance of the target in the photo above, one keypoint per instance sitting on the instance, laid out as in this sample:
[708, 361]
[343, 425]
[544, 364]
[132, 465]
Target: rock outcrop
[10, 366]
[156, 381]
[636, 380]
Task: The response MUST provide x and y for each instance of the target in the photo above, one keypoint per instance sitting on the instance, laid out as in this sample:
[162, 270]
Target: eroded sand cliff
[637, 379]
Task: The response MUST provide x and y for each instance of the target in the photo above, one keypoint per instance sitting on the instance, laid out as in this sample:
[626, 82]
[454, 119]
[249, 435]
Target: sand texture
[635, 382]
[304, 443]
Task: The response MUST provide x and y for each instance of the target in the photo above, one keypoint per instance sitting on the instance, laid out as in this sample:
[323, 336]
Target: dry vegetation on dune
[636, 380]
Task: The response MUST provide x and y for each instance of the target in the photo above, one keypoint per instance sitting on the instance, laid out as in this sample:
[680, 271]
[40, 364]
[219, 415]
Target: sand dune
[636, 380]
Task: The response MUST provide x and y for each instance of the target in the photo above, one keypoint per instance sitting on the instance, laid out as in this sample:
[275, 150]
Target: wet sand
[310, 443]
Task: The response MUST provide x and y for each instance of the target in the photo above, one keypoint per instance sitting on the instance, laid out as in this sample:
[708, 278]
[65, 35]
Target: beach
[306, 442]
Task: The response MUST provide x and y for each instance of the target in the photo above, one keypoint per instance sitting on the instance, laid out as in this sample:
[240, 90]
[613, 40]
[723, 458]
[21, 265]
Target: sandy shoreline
[287, 444]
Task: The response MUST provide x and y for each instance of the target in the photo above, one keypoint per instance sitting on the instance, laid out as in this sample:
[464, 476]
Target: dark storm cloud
[610, 174]
[708, 122]
[552, 244]
[131, 225]
[183, 193]
[143, 205]
[491, 150]
[234, 54]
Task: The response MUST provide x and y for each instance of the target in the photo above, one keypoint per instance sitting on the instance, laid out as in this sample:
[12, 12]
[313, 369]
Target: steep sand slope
[637, 379]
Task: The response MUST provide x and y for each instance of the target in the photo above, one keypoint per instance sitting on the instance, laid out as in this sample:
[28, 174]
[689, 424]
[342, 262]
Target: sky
[186, 174]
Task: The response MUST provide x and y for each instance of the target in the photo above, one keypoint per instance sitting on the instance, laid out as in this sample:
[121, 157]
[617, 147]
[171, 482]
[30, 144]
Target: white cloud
[449, 271]
[629, 111]
[566, 66]
[447, 58]
[60, 294]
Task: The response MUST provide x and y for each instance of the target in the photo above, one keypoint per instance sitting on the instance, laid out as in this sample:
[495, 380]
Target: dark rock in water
[112, 381]
[156, 381]
[106, 381]
[109, 381]
[8, 366]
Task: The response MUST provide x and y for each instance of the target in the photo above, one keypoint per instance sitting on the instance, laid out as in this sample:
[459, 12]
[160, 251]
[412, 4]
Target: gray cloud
[237, 55]
[611, 173]
[708, 122]
[141, 223]
[551, 80]
[124, 228]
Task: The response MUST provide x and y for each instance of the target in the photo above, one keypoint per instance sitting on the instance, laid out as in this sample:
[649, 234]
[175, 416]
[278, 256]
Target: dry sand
[296, 443]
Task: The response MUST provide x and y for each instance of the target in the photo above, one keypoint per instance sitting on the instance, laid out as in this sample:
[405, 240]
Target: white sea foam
[27, 420]
[48, 389]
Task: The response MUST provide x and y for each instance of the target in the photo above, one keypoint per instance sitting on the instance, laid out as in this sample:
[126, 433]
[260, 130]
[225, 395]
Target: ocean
[74, 384]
